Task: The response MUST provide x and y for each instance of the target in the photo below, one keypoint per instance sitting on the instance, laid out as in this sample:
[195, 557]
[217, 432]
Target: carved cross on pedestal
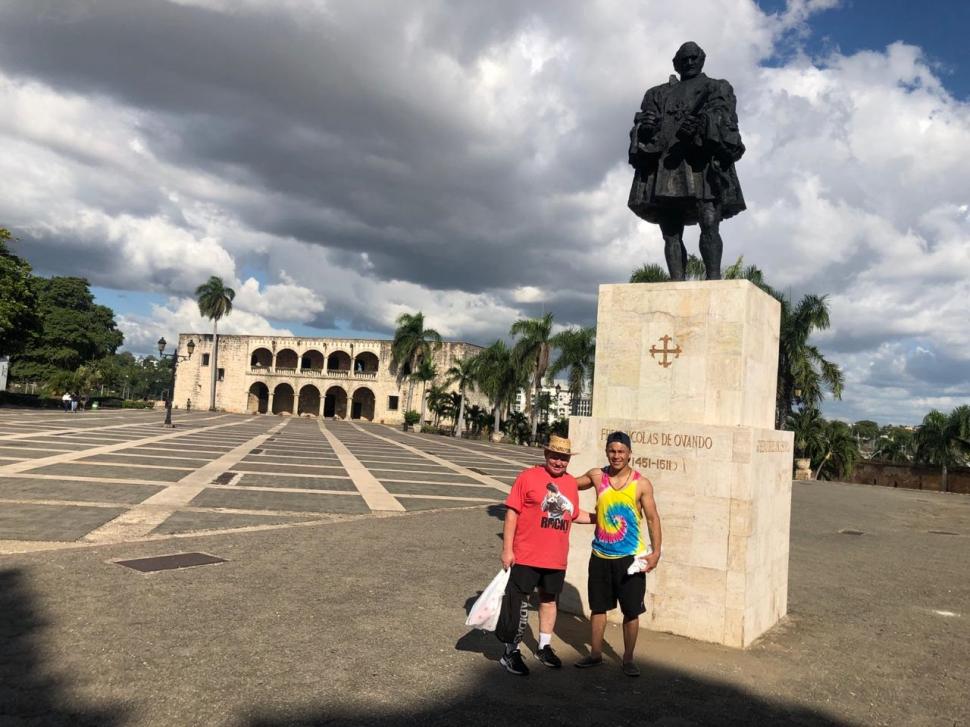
[665, 351]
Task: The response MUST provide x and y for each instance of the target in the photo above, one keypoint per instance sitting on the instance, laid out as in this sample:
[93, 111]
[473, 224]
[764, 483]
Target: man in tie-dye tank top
[623, 498]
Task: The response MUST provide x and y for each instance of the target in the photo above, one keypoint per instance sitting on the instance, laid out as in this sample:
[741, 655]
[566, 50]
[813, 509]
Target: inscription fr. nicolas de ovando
[665, 439]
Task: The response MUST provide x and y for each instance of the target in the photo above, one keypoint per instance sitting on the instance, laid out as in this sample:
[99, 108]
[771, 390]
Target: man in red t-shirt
[544, 501]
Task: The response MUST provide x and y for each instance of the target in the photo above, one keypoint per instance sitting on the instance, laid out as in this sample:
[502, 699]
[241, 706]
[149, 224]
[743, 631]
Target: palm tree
[803, 372]
[215, 302]
[440, 403]
[653, 273]
[577, 352]
[425, 372]
[412, 343]
[532, 350]
[943, 439]
[809, 429]
[498, 378]
[461, 372]
[841, 452]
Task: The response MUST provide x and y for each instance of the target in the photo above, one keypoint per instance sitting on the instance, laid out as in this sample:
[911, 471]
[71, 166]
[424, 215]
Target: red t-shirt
[546, 506]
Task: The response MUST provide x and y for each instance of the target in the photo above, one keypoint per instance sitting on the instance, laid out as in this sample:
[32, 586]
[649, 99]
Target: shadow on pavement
[31, 692]
[567, 697]
[496, 511]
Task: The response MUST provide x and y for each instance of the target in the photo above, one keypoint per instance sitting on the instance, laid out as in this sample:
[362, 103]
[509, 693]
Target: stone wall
[910, 477]
[344, 378]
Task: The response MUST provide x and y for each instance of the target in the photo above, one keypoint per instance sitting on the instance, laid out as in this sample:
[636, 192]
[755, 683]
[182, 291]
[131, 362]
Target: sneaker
[548, 657]
[587, 661]
[512, 661]
[631, 669]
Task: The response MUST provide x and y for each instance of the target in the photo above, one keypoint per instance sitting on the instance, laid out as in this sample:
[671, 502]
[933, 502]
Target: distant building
[341, 378]
[4, 370]
[559, 399]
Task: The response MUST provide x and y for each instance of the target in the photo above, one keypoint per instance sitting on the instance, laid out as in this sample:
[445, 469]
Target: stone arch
[261, 357]
[283, 399]
[338, 361]
[312, 361]
[286, 359]
[362, 405]
[258, 400]
[309, 402]
[366, 362]
[335, 403]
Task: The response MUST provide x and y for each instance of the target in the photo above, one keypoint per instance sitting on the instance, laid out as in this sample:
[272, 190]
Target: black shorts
[609, 582]
[525, 579]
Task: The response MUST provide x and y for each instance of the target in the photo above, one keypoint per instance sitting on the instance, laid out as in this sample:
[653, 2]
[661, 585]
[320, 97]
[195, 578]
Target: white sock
[544, 640]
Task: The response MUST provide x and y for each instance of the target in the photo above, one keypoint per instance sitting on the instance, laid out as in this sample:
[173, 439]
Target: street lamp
[190, 347]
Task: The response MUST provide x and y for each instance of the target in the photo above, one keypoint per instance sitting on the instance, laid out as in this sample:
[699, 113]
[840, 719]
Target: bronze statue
[683, 146]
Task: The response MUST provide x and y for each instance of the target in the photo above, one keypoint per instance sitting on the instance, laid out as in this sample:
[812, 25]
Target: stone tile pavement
[116, 476]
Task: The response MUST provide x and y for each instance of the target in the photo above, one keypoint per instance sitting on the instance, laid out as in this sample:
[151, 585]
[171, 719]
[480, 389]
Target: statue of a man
[683, 146]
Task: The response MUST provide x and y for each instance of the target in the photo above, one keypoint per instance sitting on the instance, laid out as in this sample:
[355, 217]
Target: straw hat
[559, 445]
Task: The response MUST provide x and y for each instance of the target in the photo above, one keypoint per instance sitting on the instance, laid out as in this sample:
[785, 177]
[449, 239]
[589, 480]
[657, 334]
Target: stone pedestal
[689, 371]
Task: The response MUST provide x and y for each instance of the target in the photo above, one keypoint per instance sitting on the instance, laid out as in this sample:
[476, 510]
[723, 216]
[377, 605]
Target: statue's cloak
[674, 173]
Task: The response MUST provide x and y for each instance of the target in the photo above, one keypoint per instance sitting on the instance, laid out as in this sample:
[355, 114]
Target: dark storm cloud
[369, 156]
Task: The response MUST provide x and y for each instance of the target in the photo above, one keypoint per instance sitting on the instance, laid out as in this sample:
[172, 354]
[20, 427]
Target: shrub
[412, 417]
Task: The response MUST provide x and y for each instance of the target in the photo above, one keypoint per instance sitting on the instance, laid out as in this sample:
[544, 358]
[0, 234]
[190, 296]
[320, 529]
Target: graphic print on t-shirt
[555, 505]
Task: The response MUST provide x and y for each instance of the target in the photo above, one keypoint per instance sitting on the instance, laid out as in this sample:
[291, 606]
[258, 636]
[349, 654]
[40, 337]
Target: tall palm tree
[804, 374]
[498, 378]
[577, 352]
[532, 350]
[215, 302]
[461, 372]
[412, 343]
[425, 372]
[810, 434]
[943, 440]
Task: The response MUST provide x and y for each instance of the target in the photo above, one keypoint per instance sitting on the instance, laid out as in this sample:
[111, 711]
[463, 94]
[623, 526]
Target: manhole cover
[170, 562]
[942, 532]
[257, 451]
[475, 469]
[850, 531]
[224, 479]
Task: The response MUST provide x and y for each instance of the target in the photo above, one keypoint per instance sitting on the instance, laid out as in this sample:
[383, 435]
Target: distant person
[84, 402]
[544, 501]
[623, 498]
[74, 403]
[66, 401]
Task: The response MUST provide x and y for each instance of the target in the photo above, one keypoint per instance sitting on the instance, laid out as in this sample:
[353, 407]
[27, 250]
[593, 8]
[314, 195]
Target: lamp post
[190, 347]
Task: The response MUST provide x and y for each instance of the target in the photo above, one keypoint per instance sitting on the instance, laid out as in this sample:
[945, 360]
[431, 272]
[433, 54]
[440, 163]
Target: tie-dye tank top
[618, 531]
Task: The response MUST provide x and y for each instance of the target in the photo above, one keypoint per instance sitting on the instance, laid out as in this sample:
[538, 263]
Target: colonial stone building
[329, 377]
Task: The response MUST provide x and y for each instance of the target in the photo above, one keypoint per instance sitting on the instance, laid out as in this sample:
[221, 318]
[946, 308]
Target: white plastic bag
[485, 612]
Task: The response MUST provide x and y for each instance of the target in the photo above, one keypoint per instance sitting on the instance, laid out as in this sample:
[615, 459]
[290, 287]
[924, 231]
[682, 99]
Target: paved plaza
[106, 477]
[347, 557]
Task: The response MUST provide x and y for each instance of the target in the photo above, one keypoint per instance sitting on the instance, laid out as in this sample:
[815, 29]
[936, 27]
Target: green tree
[461, 372]
[499, 378]
[74, 330]
[808, 427]
[577, 352]
[943, 440]
[215, 302]
[532, 351]
[18, 315]
[412, 343]
[894, 444]
[425, 372]
[841, 452]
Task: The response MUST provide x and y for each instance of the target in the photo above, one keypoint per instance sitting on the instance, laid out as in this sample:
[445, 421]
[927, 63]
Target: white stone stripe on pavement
[373, 492]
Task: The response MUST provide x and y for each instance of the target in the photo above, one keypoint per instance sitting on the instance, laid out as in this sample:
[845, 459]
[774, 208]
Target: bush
[137, 404]
[412, 417]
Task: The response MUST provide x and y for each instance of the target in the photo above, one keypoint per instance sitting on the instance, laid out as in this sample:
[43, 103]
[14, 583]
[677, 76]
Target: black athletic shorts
[525, 579]
[609, 582]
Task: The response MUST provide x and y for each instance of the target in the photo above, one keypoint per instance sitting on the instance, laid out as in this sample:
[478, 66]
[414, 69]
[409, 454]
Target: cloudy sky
[340, 162]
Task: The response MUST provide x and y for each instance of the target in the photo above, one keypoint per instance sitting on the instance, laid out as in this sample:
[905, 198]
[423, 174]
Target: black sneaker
[548, 657]
[512, 661]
